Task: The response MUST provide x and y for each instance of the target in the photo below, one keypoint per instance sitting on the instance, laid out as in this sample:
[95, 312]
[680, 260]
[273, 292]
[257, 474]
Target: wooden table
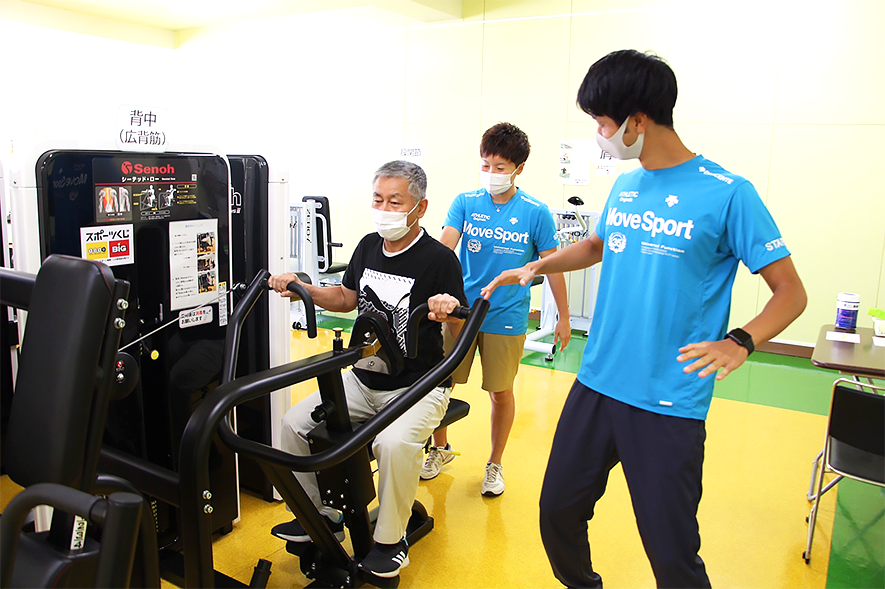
[862, 360]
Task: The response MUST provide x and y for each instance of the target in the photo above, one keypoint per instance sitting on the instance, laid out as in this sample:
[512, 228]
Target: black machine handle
[119, 514]
[238, 318]
[214, 408]
[309, 308]
[211, 417]
[415, 319]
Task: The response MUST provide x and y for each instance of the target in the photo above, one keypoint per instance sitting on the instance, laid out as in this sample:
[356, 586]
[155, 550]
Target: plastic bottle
[847, 304]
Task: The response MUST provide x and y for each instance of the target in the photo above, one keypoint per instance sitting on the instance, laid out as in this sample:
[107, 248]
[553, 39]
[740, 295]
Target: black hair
[627, 82]
[507, 141]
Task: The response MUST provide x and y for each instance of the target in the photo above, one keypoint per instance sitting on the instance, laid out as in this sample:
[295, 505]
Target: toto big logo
[128, 167]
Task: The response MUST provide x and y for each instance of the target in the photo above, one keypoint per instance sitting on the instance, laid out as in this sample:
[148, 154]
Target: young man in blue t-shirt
[502, 228]
[671, 236]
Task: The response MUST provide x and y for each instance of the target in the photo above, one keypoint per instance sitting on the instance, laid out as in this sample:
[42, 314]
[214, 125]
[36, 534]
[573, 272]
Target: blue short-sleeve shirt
[672, 242]
[495, 238]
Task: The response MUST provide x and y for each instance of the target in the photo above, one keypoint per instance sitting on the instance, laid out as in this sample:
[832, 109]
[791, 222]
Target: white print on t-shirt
[389, 296]
[649, 222]
[617, 242]
[725, 179]
[498, 233]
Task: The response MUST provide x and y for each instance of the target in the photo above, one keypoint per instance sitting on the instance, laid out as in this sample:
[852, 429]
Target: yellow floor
[752, 515]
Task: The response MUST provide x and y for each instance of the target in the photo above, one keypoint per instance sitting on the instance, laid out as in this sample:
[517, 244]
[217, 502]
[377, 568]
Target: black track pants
[662, 458]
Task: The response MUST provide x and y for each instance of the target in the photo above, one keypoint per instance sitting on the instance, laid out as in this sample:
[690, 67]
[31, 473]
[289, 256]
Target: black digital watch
[741, 338]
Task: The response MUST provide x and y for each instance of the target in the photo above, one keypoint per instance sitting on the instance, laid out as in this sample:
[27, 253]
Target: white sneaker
[493, 484]
[437, 456]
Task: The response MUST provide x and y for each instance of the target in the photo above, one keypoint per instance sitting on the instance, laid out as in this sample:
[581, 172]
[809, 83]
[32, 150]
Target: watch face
[742, 338]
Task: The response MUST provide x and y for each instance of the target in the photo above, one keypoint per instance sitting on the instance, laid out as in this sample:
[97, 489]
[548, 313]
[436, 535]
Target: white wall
[787, 94]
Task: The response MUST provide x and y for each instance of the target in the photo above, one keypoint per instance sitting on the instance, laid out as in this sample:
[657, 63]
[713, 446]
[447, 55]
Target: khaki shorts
[499, 355]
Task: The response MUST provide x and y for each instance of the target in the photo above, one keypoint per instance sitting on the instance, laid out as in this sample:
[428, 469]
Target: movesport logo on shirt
[498, 233]
[649, 222]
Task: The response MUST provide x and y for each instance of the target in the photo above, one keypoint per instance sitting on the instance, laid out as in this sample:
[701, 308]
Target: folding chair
[855, 442]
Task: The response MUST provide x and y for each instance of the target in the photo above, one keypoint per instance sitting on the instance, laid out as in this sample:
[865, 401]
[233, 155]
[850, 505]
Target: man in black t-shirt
[391, 273]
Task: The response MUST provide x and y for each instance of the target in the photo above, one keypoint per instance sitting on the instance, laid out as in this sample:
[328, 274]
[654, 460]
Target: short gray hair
[408, 171]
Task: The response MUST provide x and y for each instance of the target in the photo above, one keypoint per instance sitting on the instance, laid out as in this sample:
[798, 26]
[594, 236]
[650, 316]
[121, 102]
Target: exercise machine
[54, 454]
[311, 247]
[342, 454]
[572, 225]
[8, 332]
[162, 223]
[258, 241]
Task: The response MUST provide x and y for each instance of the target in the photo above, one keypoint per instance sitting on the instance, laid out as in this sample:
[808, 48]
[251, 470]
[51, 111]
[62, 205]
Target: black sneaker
[294, 532]
[385, 560]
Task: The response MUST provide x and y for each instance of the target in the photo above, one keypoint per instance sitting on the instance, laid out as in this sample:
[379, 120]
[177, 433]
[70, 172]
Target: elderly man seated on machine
[391, 273]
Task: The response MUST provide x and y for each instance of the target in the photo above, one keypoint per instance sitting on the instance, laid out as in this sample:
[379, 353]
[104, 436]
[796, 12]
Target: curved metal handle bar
[238, 318]
[210, 414]
[310, 311]
[118, 513]
[420, 314]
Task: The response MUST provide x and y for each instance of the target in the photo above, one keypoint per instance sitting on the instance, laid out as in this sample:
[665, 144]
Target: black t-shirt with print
[393, 286]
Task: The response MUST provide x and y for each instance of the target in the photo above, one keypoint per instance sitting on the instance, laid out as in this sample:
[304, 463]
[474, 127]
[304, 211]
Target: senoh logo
[128, 167]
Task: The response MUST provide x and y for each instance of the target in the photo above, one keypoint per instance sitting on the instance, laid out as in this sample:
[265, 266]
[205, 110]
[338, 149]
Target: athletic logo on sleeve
[617, 242]
[725, 179]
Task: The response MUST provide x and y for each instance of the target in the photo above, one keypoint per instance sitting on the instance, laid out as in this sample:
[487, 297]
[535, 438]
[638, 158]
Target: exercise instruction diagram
[193, 262]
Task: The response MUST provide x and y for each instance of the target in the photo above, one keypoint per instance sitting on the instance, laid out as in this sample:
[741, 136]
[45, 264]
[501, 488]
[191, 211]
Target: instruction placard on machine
[193, 263]
[144, 188]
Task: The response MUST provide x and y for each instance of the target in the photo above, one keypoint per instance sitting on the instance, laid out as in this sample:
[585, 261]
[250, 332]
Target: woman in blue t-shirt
[502, 228]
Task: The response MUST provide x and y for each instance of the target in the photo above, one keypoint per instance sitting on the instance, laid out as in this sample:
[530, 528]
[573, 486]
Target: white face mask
[391, 225]
[496, 183]
[616, 147]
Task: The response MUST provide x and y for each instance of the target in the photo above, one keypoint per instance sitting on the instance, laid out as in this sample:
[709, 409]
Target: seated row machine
[57, 421]
[67, 375]
[341, 455]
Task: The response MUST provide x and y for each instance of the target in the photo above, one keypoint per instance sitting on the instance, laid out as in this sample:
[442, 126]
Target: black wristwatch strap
[741, 338]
